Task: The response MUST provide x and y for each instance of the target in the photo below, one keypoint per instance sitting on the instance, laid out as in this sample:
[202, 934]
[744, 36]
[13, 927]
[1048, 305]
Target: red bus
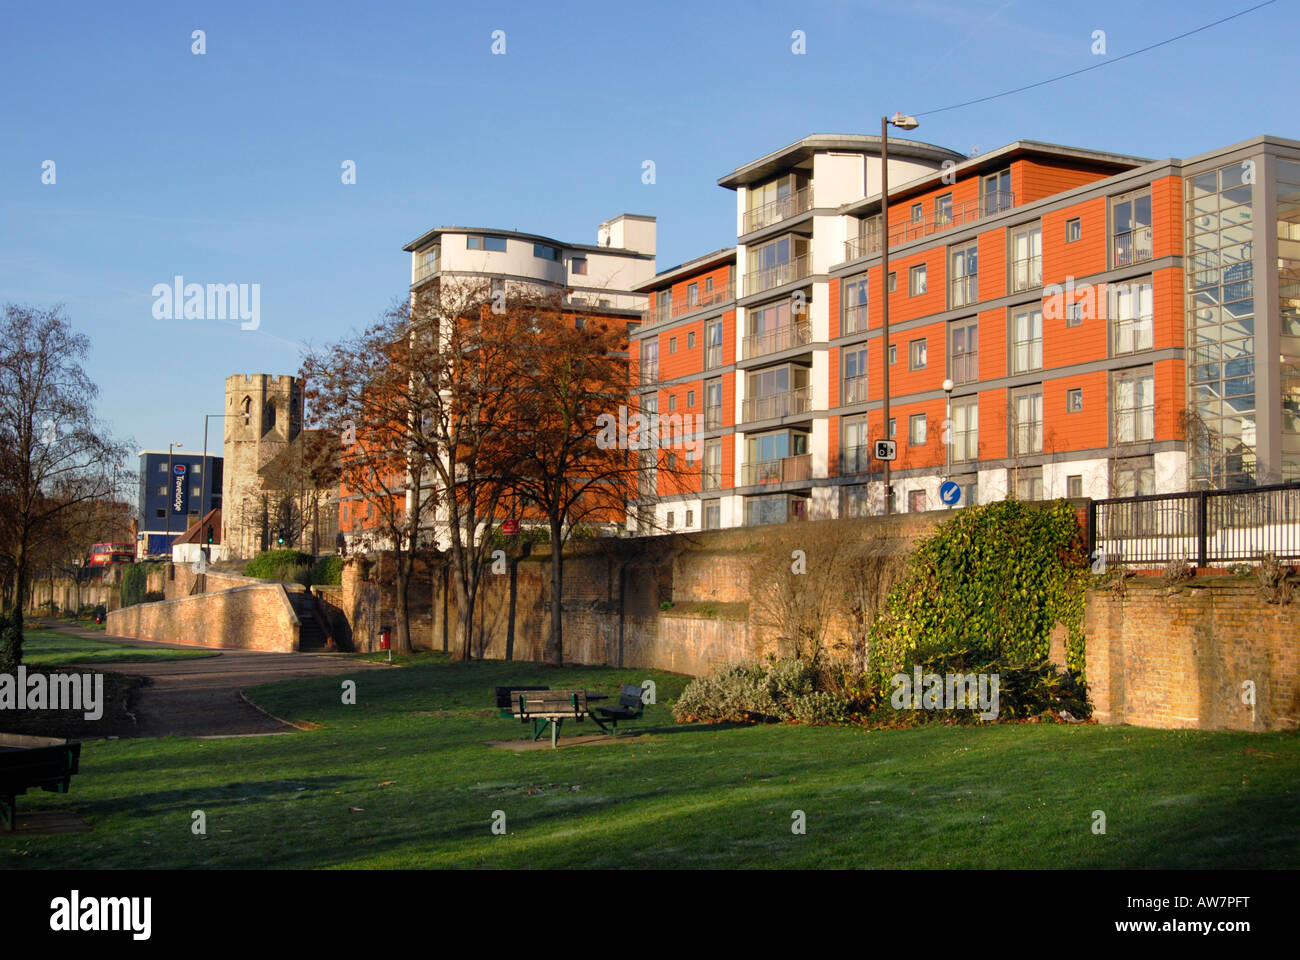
[104, 554]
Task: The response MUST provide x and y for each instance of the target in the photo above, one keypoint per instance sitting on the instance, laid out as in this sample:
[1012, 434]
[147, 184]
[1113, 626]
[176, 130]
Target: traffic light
[279, 541]
[209, 533]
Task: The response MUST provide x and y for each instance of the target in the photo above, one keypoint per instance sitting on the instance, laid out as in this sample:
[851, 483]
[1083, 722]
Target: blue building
[176, 489]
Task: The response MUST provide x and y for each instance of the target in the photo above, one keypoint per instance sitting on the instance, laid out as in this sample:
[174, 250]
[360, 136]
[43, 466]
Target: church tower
[263, 414]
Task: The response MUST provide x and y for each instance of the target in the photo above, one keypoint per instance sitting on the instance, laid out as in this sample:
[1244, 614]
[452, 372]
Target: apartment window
[1029, 484]
[963, 273]
[690, 399]
[708, 285]
[670, 459]
[692, 295]
[712, 478]
[671, 520]
[893, 281]
[546, 252]
[713, 515]
[916, 501]
[1074, 313]
[916, 281]
[916, 355]
[672, 401]
[1130, 221]
[196, 492]
[965, 428]
[497, 244]
[854, 304]
[579, 265]
[995, 193]
[1027, 420]
[916, 430]
[857, 500]
[963, 349]
[690, 340]
[1073, 229]
[918, 212]
[1133, 477]
[1074, 486]
[853, 361]
[1027, 340]
[943, 209]
[649, 360]
[783, 260]
[162, 490]
[672, 344]
[690, 518]
[855, 446]
[970, 490]
[1132, 313]
[1074, 400]
[713, 345]
[1133, 405]
[893, 428]
[196, 468]
[160, 514]
[1026, 258]
[713, 404]
[893, 354]
[162, 468]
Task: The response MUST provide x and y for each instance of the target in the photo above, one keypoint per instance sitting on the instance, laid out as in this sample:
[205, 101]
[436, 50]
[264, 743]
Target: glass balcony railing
[855, 459]
[965, 367]
[796, 269]
[713, 417]
[778, 405]
[777, 210]
[649, 371]
[868, 241]
[425, 268]
[688, 302]
[783, 470]
[779, 338]
[855, 390]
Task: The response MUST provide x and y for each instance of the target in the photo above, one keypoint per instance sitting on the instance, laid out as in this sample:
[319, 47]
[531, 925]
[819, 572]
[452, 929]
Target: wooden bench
[551, 708]
[32, 762]
[505, 700]
[630, 707]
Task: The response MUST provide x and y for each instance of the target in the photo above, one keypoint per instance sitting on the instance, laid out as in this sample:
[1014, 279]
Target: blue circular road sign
[949, 492]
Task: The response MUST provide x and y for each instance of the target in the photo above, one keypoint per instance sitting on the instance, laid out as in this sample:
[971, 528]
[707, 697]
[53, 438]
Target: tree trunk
[401, 641]
[555, 642]
[11, 644]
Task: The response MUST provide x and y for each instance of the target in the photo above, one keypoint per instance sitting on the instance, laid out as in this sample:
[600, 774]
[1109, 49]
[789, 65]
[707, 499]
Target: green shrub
[11, 643]
[751, 692]
[279, 565]
[990, 583]
[134, 578]
[153, 596]
[328, 571]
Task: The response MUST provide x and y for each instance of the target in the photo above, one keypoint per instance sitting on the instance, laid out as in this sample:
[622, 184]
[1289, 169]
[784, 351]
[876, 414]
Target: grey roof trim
[723, 255]
[427, 238]
[802, 150]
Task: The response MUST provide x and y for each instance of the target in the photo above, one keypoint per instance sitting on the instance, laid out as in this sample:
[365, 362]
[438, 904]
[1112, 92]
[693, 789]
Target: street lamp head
[947, 386]
[904, 122]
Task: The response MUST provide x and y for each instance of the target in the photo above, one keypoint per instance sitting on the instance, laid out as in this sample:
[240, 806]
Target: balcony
[783, 470]
[855, 320]
[713, 417]
[712, 356]
[711, 478]
[788, 272]
[781, 338]
[1132, 246]
[855, 460]
[868, 241]
[425, 268]
[963, 290]
[778, 405]
[1026, 274]
[855, 390]
[649, 372]
[777, 210]
[687, 302]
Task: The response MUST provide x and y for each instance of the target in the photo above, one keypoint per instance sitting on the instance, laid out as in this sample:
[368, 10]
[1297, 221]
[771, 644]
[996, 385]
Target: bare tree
[54, 454]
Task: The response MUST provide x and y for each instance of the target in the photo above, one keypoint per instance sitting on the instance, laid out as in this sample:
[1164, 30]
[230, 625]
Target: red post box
[385, 639]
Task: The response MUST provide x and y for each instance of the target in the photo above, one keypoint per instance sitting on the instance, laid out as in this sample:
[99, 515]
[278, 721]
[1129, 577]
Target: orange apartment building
[1063, 322]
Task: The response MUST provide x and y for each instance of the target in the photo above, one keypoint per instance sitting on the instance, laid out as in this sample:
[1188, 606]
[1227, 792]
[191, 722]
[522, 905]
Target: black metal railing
[1203, 527]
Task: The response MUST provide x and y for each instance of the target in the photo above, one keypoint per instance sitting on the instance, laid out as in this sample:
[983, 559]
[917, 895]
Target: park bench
[505, 701]
[551, 708]
[630, 707]
[30, 762]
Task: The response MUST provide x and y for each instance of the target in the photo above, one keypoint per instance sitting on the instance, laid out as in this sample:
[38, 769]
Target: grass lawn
[52, 648]
[404, 779]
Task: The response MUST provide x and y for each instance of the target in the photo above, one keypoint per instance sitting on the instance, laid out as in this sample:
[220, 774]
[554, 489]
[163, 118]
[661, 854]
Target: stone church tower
[263, 415]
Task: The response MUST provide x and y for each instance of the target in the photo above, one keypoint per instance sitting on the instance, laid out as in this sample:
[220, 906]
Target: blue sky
[225, 167]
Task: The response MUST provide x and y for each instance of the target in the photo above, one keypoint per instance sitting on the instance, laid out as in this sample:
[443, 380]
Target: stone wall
[1177, 657]
[257, 617]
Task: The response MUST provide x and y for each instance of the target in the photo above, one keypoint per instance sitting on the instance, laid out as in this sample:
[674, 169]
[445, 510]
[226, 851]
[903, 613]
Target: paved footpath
[199, 697]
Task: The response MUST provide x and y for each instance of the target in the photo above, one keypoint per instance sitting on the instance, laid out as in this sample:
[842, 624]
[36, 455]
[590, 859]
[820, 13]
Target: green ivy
[992, 582]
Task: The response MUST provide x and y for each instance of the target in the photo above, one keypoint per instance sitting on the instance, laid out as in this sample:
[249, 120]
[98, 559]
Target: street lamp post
[947, 432]
[903, 123]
